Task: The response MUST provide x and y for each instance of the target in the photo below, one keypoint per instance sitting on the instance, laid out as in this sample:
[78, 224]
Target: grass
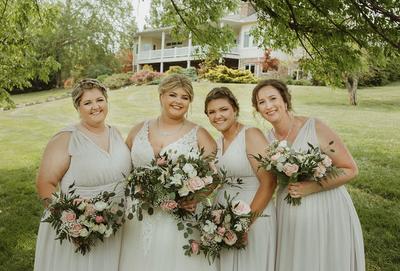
[371, 131]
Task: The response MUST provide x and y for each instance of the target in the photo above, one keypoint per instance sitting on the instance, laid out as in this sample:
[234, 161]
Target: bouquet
[84, 221]
[222, 226]
[170, 179]
[292, 166]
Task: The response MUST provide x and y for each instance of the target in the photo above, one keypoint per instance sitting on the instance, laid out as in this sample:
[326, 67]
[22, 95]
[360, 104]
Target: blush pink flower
[90, 210]
[194, 246]
[320, 171]
[230, 238]
[290, 169]
[276, 156]
[68, 216]
[216, 214]
[327, 162]
[99, 219]
[240, 208]
[221, 231]
[195, 183]
[75, 230]
[169, 205]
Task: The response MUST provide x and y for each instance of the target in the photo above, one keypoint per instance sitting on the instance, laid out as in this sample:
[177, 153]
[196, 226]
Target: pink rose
[208, 180]
[320, 170]
[327, 162]
[230, 238]
[161, 161]
[221, 231]
[194, 247]
[75, 230]
[289, 169]
[275, 157]
[90, 210]
[195, 183]
[216, 214]
[169, 205]
[240, 208]
[99, 219]
[68, 216]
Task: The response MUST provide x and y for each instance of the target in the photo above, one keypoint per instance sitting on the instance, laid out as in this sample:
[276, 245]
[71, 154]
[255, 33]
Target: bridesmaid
[324, 232]
[92, 155]
[235, 149]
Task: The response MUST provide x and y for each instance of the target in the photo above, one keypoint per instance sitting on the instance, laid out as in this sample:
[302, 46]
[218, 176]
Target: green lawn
[371, 131]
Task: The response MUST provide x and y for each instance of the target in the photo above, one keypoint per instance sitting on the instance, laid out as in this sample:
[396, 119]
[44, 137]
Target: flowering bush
[221, 227]
[144, 77]
[223, 74]
[291, 166]
[84, 221]
[171, 178]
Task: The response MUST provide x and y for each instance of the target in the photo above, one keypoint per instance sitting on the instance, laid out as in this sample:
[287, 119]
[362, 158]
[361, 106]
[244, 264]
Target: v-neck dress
[324, 232]
[260, 251]
[155, 244]
[93, 170]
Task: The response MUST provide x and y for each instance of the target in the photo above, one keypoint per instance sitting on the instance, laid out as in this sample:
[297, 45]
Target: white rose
[84, 232]
[240, 208]
[238, 227]
[108, 232]
[218, 238]
[283, 144]
[227, 218]
[102, 228]
[210, 227]
[187, 168]
[100, 206]
[176, 179]
[183, 191]
[82, 206]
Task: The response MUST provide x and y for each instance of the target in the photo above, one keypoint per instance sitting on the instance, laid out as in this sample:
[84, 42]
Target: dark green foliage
[117, 80]
[94, 71]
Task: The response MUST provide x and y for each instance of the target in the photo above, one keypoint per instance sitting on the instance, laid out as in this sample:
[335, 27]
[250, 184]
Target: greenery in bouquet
[84, 221]
[292, 166]
[222, 226]
[170, 179]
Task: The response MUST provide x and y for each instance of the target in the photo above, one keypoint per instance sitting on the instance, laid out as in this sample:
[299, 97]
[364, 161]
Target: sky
[141, 11]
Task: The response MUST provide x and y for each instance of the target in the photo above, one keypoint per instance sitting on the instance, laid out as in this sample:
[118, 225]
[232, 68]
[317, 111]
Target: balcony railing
[176, 52]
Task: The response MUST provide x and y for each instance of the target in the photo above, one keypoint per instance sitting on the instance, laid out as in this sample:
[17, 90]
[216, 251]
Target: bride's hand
[303, 189]
[188, 205]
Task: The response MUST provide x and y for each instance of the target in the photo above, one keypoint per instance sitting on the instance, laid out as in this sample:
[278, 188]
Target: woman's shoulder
[254, 135]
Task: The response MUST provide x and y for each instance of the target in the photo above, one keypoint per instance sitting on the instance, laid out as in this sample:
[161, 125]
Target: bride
[155, 243]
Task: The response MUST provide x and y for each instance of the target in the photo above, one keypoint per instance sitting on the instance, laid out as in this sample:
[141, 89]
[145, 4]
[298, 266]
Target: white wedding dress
[155, 244]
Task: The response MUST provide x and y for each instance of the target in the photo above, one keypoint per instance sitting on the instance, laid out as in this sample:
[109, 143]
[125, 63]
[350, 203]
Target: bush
[96, 70]
[301, 82]
[117, 80]
[189, 72]
[102, 77]
[144, 77]
[223, 74]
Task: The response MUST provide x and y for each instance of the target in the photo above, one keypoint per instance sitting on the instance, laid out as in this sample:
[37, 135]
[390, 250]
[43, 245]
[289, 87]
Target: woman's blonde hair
[174, 81]
[86, 84]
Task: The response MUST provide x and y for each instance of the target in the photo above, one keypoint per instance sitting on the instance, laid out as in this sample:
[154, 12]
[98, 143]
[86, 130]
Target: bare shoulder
[133, 132]
[59, 141]
[254, 133]
[322, 128]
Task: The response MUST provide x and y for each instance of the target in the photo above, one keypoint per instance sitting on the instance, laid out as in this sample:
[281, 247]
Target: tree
[337, 35]
[22, 24]
[268, 62]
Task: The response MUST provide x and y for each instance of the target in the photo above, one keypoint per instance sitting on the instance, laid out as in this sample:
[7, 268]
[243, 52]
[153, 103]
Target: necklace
[170, 133]
[288, 133]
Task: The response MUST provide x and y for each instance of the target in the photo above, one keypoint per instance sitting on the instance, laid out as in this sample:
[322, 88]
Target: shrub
[223, 74]
[117, 80]
[69, 82]
[144, 77]
[96, 70]
[102, 77]
[189, 72]
[301, 82]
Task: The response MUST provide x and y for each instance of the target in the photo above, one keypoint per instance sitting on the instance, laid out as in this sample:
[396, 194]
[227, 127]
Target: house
[157, 48]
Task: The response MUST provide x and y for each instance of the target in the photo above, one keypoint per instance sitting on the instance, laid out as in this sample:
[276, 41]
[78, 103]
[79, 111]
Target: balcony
[175, 54]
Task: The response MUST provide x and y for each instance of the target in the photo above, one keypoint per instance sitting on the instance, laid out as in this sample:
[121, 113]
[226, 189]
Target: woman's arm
[255, 144]
[206, 142]
[132, 134]
[341, 158]
[55, 162]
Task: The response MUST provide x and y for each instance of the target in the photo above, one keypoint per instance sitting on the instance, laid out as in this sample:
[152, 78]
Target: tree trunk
[352, 84]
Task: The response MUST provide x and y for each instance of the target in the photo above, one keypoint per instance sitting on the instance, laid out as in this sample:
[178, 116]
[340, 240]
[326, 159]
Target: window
[137, 48]
[250, 67]
[246, 40]
[147, 47]
[173, 43]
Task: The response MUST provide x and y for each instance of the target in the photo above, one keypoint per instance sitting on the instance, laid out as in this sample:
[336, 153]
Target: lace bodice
[142, 152]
